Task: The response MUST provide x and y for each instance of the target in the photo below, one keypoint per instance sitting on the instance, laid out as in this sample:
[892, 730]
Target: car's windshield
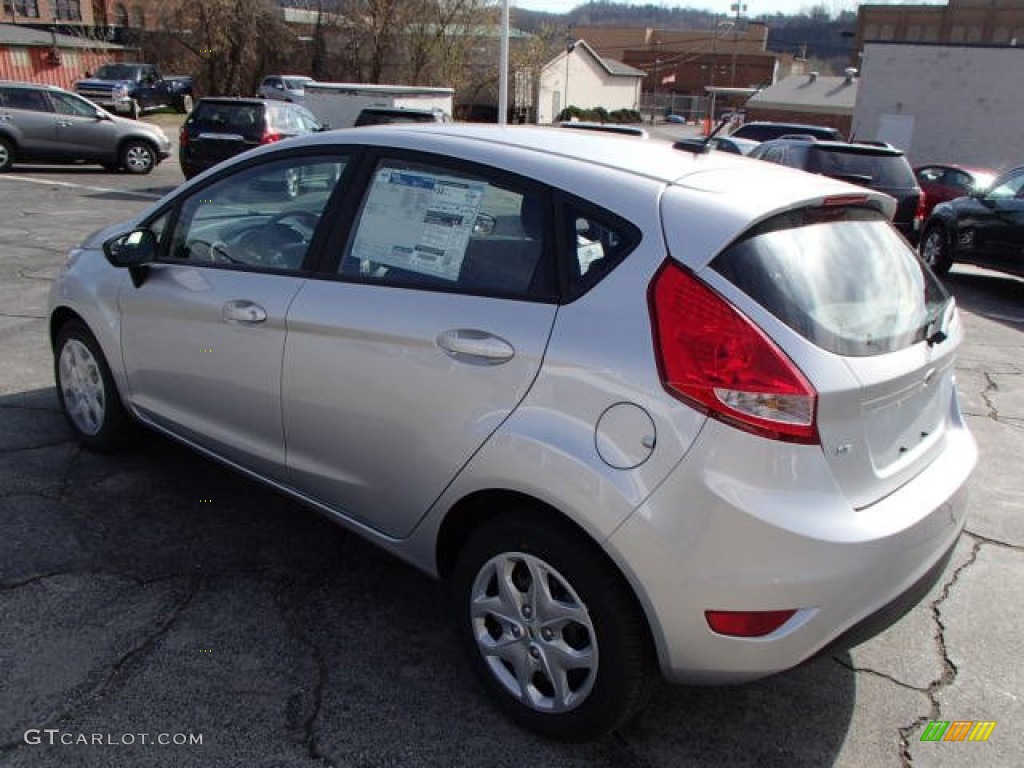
[117, 72]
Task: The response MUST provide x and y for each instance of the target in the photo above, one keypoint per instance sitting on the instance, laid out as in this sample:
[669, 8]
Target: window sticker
[420, 222]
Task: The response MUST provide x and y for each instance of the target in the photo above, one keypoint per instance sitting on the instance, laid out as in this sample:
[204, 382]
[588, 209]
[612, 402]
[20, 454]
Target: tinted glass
[428, 226]
[841, 278]
[867, 168]
[226, 117]
[117, 72]
[72, 105]
[383, 117]
[1007, 187]
[263, 217]
[26, 98]
[601, 241]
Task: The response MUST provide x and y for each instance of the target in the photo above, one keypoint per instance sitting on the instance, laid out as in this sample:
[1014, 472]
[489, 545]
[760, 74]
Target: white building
[944, 103]
[579, 77]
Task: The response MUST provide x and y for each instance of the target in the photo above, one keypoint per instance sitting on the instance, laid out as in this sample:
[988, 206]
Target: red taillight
[269, 137]
[922, 207]
[712, 356]
[183, 137]
[747, 623]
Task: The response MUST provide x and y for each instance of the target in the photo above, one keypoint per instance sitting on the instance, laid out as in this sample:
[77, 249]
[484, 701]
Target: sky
[754, 7]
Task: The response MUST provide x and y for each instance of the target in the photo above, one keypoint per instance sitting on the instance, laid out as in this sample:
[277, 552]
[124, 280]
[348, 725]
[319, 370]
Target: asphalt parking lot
[153, 596]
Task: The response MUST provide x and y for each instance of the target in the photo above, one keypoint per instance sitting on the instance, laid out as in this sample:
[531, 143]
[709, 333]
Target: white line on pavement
[51, 182]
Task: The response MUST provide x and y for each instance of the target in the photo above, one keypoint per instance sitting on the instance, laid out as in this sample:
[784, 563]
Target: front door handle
[65, 123]
[243, 311]
[471, 346]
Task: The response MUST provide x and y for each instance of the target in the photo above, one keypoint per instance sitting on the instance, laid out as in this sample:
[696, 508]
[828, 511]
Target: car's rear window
[842, 278]
[865, 167]
[384, 117]
[225, 117]
[761, 132]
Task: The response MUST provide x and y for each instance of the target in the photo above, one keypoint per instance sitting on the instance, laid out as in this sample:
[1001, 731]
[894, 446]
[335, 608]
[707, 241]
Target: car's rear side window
[842, 278]
[25, 98]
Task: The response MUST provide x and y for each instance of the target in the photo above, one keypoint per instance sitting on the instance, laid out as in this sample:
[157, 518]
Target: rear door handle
[472, 346]
[64, 123]
[244, 312]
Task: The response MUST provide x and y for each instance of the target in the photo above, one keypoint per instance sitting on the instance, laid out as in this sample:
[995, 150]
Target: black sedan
[985, 228]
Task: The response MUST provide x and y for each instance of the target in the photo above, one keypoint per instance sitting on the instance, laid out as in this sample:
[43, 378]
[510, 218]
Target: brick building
[961, 22]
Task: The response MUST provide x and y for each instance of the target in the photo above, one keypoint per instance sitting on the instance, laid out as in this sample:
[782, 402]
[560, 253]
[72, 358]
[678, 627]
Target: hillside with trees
[228, 45]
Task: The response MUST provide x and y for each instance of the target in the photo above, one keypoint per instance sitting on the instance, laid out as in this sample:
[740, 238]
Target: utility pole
[570, 46]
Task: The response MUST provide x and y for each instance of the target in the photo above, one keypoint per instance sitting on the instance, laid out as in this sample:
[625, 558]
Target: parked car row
[954, 213]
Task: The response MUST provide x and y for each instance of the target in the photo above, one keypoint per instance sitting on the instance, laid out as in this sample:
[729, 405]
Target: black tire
[86, 390]
[135, 109]
[609, 639]
[6, 155]
[935, 249]
[138, 157]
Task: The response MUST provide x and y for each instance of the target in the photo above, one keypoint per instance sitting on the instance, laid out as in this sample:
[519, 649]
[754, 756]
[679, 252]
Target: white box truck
[340, 104]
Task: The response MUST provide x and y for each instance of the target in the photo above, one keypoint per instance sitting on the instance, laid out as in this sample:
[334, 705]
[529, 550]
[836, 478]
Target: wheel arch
[60, 317]
[479, 507]
[125, 141]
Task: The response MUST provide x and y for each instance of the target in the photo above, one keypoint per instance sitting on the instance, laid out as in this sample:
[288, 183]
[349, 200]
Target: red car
[941, 182]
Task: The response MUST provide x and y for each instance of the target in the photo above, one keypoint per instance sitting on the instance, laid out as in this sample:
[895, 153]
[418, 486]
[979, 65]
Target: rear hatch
[869, 326]
[217, 130]
[879, 168]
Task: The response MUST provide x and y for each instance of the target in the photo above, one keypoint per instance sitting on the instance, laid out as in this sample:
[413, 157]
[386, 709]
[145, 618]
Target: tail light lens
[713, 357]
[183, 137]
[922, 206]
[269, 137]
[746, 623]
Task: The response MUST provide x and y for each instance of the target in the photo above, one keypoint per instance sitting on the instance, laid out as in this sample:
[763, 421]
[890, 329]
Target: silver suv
[639, 408]
[46, 124]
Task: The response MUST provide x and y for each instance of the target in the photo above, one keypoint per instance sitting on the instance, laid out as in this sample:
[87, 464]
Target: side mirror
[135, 249]
[324, 127]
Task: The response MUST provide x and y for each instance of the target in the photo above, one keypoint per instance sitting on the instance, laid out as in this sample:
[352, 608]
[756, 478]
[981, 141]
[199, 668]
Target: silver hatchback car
[641, 409]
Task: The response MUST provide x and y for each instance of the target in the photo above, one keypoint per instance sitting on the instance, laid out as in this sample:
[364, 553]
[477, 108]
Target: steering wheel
[305, 219]
[217, 251]
[268, 243]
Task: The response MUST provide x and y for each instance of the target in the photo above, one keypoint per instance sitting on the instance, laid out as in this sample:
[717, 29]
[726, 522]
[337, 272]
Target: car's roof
[836, 146]
[956, 167]
[23, 84]
[236, 100]
[787, 126]
[726, 180]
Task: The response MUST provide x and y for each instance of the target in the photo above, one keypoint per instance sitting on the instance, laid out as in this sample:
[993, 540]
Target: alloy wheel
[534, 632]
[81, 383]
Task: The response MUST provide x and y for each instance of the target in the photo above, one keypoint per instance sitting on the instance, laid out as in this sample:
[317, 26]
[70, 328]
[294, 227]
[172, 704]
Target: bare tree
[227, 44]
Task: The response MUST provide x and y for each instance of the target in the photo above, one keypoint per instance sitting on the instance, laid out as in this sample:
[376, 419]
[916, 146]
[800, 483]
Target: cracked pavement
[155, 592]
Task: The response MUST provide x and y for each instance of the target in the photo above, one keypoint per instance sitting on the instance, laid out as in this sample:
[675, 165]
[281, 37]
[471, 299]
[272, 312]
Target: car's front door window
[263, 217]
[1008, 188]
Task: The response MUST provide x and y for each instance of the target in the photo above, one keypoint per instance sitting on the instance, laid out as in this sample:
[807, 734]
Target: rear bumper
[745, 524]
